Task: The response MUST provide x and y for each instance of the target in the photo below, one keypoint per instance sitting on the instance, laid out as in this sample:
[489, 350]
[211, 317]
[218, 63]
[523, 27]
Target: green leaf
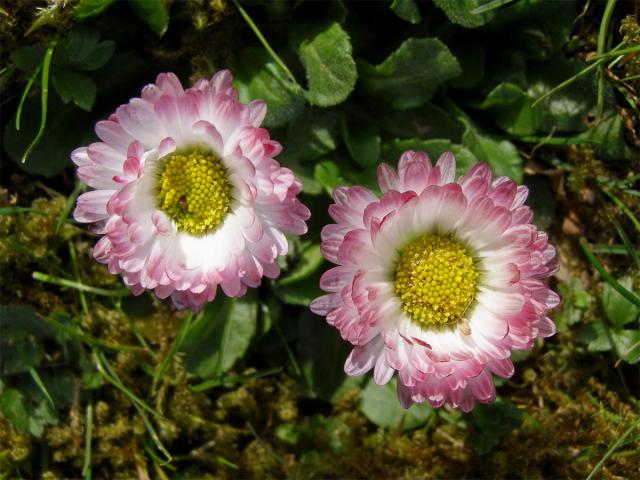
[511, 109]
[459, 12]
[27, 58]
[327, 173]
[425, 122]
[12, 406]
[566, 109]
[362, 141]
[309, 262]
[83, 50]
[301, 292]
[493, 422]
[311, 136]
[595, 335]
[407, 10]
[410, 76]
[21, 335]
[627, 344]
[501, 155]
[325, 53]
[609, 138]
[392, 150]
[618, 309]
[90, 8]
[155, 13]
[220, 335]
[537, 28]
[380, 404]
[575, 300]
[258, 76]
[75, 86]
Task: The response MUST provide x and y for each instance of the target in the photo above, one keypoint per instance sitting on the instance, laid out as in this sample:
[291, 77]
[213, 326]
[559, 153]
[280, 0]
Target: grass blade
[63, 282]
[174, 347]
[26, 91]
[69, 205]
[602, 41]
[487, 7]
[623, 207]
[76, 273]
[610, 249]
[264, 42]
[613, 448]
[112, 377]
[44, 97]
[231, 379]
[632, 297]
[88, 431]
[89, 339]
[41, 386]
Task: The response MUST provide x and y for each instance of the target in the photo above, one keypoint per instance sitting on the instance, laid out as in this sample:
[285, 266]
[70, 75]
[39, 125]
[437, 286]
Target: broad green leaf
[83, 50]
[220, 335]
[493, 422]
[325, 53]
[328, 174]
[565, 110]
[75, 86]
[362, 141]
[309, 262]
[407, 10]
[301, 292]
[425, 122]
[27, 58]
[595, 335]
[609, 138]
[537, 28]
[511, 109]
[618, 309]
[575, 300]
[155, 13]
[459, 11]
[380, 405]
[393, 149]
[257, 76]
[313, 135]
[90, 8]
[628, 344]
[410, 76]
[21, 336]
[541, 200]
[12, 406]
[501, 155]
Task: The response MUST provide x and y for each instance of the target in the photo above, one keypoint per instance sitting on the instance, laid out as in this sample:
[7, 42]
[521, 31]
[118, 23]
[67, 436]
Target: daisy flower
[438, 279]
[187, 193]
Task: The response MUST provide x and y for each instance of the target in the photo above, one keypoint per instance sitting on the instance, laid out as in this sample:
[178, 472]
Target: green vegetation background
[96, 383]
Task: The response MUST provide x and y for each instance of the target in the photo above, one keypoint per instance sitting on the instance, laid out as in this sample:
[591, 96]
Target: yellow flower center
[436, 280]
[194, 190]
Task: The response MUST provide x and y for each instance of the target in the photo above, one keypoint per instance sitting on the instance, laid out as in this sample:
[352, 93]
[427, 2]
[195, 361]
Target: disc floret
[436, 280]
[194, 191]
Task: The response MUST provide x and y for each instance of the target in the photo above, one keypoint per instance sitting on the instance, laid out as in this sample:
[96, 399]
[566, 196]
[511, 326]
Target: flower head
[438, 279]
[187, 193]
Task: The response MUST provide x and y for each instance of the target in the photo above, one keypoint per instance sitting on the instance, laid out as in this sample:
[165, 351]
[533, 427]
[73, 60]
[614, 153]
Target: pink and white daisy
[187, 193]
[438, 279]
